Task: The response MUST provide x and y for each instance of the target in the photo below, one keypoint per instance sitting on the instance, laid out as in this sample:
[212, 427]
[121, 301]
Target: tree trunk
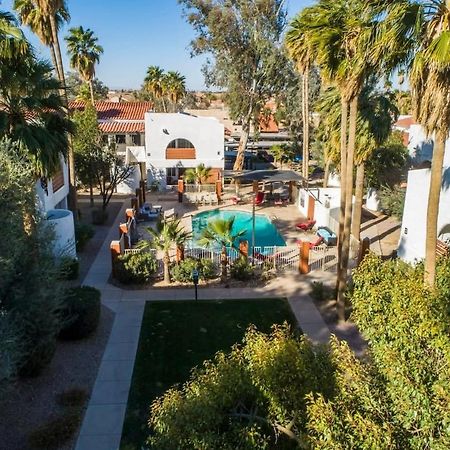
[345, 249]
[54, 61]
[73, 203]
[224, 264]
[239, 163]
[344, 118]
[166, 263]
[359, 193]
[326, 173]
[433, 208]
[91, 88]
[305, 110]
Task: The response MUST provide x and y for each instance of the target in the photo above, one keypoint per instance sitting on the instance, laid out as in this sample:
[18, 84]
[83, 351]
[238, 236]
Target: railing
[323, 258]
[200, 188]
[278, 258]
[213, 255]
[134, 251]
[180, 153]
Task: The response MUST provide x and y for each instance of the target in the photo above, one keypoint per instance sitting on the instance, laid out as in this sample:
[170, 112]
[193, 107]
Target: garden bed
[177, 336]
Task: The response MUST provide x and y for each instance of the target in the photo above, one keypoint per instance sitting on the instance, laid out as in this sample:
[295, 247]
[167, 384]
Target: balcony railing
[180, 153]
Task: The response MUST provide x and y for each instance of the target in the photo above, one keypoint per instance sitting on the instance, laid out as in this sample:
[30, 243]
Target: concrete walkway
[103, 421]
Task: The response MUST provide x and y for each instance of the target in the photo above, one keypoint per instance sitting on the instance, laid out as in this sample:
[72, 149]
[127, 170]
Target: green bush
[38, 356]
[137, 268]
[182, 271]
[82, 312]
[69, 268]
[241, 270]
[83, 232]
[320, 292]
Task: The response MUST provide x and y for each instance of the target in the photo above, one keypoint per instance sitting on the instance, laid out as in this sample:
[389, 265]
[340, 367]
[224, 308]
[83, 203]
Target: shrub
[72, 398]
[320, 292]
[38, 356]
[82, 312]
[392, 201]
[182, 271]
[83, 232]
[136, 268]
[241, 270]
[69, 268]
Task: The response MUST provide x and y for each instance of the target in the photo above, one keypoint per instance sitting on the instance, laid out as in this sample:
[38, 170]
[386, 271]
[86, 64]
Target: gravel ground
[31, 402]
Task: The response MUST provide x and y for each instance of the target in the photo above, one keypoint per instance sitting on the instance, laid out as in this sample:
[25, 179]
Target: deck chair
[306, 226]
[259, 198]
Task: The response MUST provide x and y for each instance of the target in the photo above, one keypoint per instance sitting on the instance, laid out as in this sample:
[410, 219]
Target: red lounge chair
[259, 198]
[306, 226]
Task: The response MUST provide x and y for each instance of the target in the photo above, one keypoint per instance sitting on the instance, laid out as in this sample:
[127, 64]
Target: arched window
[180, 149]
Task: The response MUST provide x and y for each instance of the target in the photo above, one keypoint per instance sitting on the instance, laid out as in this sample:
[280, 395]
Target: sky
[136, 34]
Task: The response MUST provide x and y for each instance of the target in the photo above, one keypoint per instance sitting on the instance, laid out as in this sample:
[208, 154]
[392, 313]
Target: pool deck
[283, 217]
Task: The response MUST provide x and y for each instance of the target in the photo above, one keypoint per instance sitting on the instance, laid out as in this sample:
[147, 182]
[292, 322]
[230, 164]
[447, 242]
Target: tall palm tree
[167, 234]
[84, 54]
[430, 86]
[154, 84]
[31, 112]
[220, 232]
[39, 24]
[301, 51]
[12, 39]
[197, 175]
[174, 87]
[50, 10]
[340, 31]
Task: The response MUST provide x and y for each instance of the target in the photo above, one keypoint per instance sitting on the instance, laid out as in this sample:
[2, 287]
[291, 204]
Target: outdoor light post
[195, 280]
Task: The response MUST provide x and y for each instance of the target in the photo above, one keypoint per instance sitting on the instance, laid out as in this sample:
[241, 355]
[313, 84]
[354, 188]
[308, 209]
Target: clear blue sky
[136, 34]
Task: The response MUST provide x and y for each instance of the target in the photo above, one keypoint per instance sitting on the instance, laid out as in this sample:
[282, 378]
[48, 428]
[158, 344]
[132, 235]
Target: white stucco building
[413, 232]
[52, 203]
[179, 141]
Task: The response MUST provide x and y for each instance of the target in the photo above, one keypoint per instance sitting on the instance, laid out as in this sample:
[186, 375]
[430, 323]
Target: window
[136, 139]
[105, 139]
[120, 139]
[180, 143]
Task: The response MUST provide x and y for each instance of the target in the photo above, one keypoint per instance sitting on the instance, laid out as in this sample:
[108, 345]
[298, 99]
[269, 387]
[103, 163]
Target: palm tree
[301, 51]
[84, 54]
[49, 11]
[31, 112]
[430, 86]
[198, 175]
[39, 24]
[12, 39]
[167, 233]
[174, 87]
[154, 84]
[220, 232]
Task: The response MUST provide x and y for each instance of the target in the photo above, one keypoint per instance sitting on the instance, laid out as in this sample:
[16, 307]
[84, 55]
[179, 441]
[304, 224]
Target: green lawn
[177, 336]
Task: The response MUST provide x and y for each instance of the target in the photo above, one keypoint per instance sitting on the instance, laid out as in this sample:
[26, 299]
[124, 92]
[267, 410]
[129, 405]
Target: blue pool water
[266, 233]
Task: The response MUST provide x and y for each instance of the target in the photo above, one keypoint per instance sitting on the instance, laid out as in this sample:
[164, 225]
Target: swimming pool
[266, 234]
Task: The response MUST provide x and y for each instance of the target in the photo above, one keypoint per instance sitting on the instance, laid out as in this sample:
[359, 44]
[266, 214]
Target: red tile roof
[405, 122]
[117, 111]
[122, 127]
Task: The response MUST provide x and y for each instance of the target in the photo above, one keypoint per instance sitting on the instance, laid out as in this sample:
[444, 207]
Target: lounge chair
[169, 213]
[259, 198]
[306, 226]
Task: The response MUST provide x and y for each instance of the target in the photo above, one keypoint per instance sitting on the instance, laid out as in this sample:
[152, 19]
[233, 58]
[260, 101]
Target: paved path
[103, 421]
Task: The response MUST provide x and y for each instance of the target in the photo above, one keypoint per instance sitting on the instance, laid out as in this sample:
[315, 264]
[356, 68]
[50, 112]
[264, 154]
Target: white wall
[130, 184]
[206, 134]
[50, 200]
[326, 200]
[413, 232]
[61, 221]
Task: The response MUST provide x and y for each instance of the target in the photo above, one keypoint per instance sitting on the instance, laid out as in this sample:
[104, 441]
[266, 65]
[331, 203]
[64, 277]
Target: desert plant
[83, 232]
[82, 312]
[241, 270]
[138, 268]
[182, 271]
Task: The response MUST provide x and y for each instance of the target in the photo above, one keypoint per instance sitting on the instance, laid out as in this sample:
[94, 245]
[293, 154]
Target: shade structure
[268, 176]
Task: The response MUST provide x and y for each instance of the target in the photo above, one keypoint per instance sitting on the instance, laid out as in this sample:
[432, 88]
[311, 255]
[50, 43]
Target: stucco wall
[50, 200]
[206, 134]
[413, 232]
[326, 199]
